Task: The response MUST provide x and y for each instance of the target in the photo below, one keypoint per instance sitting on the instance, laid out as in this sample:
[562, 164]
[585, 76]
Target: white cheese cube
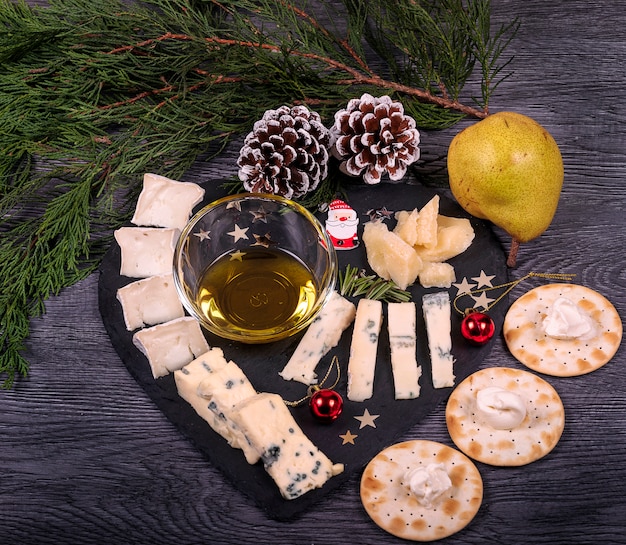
[172, 345]
[436, 308]
[289, 457]
[362, 361]
[146, 251]
[322, 335]
[166, 203]
[406, 371]
[150, 301]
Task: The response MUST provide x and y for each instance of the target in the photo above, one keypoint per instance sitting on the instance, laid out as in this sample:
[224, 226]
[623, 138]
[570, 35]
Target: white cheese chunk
[436, 308]
[406, 371]
[295, 464]
[146, 251]
[223, 389]
[362, 361]
[166, 203]
[172, 345]
[322, 335]
[150, 301]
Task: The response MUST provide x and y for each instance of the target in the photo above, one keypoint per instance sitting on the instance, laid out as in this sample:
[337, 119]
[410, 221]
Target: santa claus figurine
[341, 225]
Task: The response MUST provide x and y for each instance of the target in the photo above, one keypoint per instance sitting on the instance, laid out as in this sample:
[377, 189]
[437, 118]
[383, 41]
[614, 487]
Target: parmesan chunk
[362, 362]
[436, 307]
[322, 335]
[295, 464]
[403, 343]
[172, 345]
[166, 203]
[146, 251]
[150, 301]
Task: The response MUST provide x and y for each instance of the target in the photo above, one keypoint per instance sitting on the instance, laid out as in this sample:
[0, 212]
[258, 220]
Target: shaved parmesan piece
[403, 343]
[146, 251]
[362, 361]
[150, 301]
[172, 345]
[166, 203]
[322, 335]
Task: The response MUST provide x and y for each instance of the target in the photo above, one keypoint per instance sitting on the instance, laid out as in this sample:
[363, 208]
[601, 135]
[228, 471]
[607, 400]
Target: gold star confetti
[237, 255]
[263, 240]
[464, 287]
[239, 233]
[348, 437]
[367, 419]
[259, 215]
[203, 235]
[482, 300]
[484, 280]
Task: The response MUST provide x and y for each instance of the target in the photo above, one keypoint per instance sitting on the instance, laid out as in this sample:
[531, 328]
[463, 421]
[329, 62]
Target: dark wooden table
[87, 458]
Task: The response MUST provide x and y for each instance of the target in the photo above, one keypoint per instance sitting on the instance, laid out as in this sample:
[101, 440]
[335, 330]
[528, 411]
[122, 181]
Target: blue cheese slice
[362, 361]
[295, 464]
[172, 345]
[146, 251]
[436, 308]
[401, 321]
[212, 386]
[322, 335]
[223, 389]
[166, 203]
[150, 301]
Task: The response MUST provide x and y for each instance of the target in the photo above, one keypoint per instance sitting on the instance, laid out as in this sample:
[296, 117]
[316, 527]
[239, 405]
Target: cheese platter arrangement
[371, 415]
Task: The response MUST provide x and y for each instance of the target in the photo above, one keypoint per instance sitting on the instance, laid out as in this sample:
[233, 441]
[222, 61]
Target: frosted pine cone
[373, 137]
[286, 153]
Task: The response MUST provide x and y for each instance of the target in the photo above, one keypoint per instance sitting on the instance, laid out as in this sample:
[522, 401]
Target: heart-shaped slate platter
[348, 440]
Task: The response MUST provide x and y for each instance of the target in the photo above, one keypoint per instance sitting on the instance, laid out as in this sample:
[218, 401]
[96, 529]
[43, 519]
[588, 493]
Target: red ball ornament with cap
[478, 327]
[326, 405]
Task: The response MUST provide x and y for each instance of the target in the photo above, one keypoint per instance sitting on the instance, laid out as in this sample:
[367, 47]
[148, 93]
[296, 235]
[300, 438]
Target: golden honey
[259, 289]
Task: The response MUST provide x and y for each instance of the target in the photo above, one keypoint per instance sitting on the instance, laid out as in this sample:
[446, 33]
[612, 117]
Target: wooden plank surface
[86, 458]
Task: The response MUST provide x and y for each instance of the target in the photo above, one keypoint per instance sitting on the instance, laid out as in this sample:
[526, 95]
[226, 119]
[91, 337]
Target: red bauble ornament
[326, 405]
[477, 327]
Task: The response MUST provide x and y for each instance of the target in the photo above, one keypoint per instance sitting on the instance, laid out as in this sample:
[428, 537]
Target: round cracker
[392, 506]
[532, 439]
[528, 343]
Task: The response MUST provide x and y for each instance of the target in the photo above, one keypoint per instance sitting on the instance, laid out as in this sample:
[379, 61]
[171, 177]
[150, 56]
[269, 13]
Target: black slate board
[261, 363]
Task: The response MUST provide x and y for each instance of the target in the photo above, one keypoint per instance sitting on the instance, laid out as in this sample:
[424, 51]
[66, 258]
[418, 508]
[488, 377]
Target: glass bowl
[254, 268]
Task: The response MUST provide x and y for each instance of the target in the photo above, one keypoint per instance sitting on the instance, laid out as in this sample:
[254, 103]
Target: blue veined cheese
[322, 335]
[166, 203]
[362, 361]
[401, 320]
[222, 390]
[295, 464]
[172, 345]
[150, 301]
[146, 251]
[436, 308]
[224, 384]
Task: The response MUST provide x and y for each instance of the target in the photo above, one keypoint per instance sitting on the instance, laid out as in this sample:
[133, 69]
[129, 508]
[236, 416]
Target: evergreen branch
[95, 94]
[355, 283]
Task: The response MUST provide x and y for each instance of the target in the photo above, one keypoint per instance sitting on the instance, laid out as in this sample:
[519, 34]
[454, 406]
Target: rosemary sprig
[95, 94]
[355, 283]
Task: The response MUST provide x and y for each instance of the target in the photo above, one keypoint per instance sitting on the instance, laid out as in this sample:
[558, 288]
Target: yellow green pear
[507, 169]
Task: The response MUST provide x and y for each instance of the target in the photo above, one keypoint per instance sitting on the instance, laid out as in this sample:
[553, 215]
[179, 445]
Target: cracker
[392, 506]
[532, 439]
[528, 343]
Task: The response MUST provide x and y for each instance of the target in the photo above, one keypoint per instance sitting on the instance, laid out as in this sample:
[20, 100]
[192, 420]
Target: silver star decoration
[203, 235]
[264, 240]
[484, 280]
[367, 419]
[379, 213]
[239, 233]
[234, 204]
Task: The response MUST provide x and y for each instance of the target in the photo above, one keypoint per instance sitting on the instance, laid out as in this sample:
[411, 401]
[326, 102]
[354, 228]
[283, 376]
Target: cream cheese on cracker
[566, 320]
[428, 484]
[499, 408]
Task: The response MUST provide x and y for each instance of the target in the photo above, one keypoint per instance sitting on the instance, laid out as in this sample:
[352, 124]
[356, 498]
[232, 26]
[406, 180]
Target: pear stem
[512, 259]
